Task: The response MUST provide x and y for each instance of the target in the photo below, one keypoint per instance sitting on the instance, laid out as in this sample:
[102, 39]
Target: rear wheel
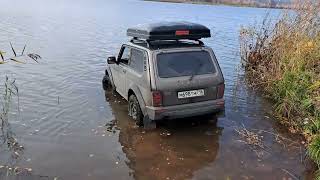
[135, 110]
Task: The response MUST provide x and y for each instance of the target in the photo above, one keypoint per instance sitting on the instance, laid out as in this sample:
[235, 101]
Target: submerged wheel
[106, 83]
[135, 110]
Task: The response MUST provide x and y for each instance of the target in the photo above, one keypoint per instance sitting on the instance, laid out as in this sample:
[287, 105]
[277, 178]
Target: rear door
[187, 76]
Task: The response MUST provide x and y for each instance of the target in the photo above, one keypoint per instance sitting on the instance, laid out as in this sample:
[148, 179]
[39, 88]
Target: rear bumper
[185, 110]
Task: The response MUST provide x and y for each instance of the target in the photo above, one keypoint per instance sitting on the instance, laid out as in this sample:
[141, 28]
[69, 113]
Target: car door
[137, 75]
[121, 70]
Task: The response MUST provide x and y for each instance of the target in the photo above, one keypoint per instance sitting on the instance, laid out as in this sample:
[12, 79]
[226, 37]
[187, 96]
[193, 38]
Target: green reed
[282, 60]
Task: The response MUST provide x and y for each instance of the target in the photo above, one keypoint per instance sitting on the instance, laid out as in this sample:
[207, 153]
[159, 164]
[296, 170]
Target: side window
[125, 56]
[137, 60]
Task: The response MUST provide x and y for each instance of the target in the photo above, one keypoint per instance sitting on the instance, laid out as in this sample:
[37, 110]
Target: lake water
[70, 129]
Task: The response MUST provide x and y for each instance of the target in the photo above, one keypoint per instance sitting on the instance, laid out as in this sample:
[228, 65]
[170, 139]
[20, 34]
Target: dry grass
[250, 137]
[283, 61]
[254, 138]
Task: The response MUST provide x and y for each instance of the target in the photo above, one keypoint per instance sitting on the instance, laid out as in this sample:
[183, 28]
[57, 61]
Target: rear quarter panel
[140, 83]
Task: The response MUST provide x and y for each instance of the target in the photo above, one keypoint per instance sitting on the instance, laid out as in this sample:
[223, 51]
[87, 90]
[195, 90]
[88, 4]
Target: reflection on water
[174, 151]
[190, 148]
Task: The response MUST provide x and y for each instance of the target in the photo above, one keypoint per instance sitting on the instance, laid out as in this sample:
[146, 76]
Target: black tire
[135, 111]
[106, 83]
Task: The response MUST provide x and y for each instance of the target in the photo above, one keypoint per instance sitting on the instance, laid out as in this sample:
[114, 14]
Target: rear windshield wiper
[195, 72]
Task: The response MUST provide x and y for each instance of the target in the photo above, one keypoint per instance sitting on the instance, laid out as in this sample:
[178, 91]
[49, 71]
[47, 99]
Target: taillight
[220, 92]
[182, 32]
[156, 98]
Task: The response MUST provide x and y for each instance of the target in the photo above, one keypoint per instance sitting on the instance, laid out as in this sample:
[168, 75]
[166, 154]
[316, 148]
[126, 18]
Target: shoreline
[284, 66]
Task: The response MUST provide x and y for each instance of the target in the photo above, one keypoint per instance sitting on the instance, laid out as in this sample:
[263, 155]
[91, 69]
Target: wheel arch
[135, 91]
[109, 73]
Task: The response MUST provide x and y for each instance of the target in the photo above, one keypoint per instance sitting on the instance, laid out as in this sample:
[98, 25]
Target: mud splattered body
[70, 130]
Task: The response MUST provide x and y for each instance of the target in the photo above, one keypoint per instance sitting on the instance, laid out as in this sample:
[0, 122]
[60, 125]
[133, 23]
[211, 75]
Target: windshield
[189, 63]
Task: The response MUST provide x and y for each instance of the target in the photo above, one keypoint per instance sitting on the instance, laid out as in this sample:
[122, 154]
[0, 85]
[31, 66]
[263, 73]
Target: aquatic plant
[16, 56]
[9, 90]
[282, 59]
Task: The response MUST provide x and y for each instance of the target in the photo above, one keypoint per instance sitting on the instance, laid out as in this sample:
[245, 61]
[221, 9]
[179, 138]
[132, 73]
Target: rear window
[184, 64]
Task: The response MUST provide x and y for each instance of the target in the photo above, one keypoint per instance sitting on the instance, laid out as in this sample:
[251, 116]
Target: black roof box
[169, 31]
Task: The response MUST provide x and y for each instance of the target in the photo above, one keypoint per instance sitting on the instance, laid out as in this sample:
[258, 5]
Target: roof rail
[200, 42]
[135, 40]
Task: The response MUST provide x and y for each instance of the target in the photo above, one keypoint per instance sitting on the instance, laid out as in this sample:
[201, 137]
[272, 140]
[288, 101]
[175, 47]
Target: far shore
[282, 6]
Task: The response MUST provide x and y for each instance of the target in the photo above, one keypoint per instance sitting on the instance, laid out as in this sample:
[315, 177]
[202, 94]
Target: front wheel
[106, 83]
[135, 110]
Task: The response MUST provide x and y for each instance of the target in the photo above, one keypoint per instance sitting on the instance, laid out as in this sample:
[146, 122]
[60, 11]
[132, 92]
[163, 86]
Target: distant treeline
[252, 3]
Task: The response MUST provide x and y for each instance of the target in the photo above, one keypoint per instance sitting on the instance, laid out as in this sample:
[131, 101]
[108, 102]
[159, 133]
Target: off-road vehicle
[166, 72]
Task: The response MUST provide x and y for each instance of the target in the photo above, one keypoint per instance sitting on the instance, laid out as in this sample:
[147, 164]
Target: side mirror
[112, 60]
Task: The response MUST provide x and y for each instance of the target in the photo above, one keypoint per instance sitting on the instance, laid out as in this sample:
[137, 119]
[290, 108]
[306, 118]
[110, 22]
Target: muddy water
[71, 130]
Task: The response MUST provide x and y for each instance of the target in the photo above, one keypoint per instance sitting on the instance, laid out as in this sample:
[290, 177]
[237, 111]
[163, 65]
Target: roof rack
[169, 31]
[150, 43]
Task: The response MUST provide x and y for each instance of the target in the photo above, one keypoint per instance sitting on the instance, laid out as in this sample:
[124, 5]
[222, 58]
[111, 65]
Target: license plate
[189, 94]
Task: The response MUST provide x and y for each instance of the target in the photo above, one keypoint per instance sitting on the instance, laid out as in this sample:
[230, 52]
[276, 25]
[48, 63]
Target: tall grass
[282, 60]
